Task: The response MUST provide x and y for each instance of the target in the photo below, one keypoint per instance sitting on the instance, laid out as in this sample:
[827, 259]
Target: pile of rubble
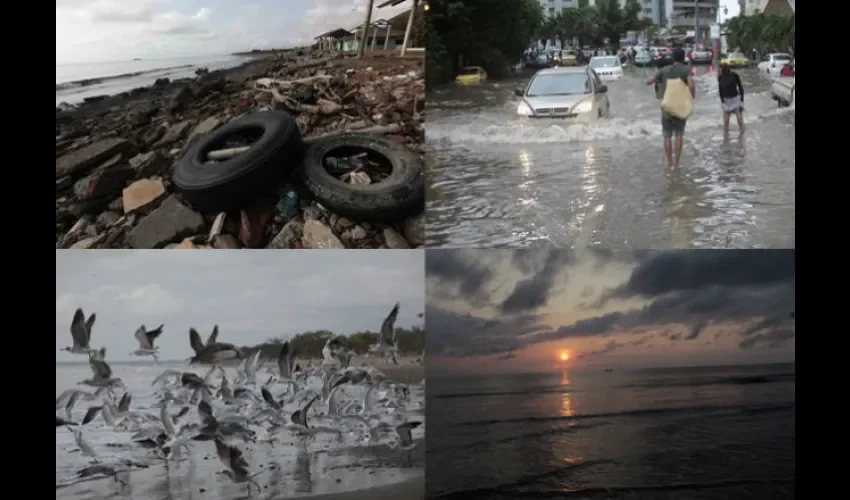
[114, 155]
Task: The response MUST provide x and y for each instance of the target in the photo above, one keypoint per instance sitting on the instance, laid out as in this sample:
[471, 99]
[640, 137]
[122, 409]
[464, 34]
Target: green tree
[309, 344]
[487, 33]
[763, 32]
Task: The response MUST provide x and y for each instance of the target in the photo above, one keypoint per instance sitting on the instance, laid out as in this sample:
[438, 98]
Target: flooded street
[496, 180]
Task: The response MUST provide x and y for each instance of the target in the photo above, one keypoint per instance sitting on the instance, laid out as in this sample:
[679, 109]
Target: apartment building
[683, 13]
[769, 6]
[652, 9]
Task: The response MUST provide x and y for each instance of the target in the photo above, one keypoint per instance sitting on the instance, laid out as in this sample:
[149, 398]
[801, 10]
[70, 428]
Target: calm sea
[74, 82]
[682, 433]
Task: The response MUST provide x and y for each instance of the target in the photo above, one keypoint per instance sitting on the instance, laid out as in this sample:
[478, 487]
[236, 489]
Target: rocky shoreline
[115, 155]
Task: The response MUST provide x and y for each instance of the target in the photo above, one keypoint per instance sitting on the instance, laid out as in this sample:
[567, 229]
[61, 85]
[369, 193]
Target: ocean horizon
[77, 81]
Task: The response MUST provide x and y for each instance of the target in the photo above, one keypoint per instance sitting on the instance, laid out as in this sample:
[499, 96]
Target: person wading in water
[671, 125]
[731, 98]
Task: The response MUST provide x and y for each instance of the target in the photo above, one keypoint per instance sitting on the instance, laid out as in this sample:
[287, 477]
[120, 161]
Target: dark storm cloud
[544, 267]
[466, 335]
[674, 271]
[458, 267]
[749, 294]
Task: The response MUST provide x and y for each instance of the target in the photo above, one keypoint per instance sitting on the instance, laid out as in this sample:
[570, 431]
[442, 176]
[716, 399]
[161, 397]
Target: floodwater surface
[498, 180]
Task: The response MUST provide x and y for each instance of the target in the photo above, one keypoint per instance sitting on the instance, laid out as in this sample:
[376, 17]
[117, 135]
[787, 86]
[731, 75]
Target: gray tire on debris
[230, 184]
[401, 194]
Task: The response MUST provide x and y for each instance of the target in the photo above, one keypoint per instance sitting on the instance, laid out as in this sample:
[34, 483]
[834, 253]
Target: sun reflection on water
[566, 401]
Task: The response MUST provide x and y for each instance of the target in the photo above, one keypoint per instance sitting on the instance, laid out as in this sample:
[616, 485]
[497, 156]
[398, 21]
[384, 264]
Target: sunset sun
[564, 356]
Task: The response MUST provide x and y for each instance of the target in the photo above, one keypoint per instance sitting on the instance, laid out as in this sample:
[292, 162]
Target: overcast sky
[520, 310]
[119, 30]
[251, 295]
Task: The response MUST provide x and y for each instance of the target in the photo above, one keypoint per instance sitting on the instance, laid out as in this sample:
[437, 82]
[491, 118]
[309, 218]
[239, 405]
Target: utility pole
[361, 45]
[696, 14]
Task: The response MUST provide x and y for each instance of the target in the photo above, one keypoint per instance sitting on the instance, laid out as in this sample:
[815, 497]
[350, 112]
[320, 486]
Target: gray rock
[288, 235]
[312, 213]
[174, 133]
[85, 243]
[205, 127]
[318, 235]
[150, 164]
[357, 233]
[414, 230]
[394, 240]
[90, 156]
[170, 222]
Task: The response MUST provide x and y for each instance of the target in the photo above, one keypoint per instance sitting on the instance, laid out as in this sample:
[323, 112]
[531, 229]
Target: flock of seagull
[301, 402]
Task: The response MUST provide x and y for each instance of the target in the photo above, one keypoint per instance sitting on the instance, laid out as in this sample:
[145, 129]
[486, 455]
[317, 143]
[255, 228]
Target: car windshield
[604, 62]
[559, 84]
[469, 71]
[737, 55]
[782, 57]
[569, 53]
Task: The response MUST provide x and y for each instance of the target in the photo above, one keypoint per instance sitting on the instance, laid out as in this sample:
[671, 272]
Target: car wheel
[400, 194]
[220, 186]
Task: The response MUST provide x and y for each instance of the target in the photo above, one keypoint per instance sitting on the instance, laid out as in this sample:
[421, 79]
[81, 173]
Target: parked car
[661, 56]
[564, 92]
[643, 57]
[608, 68]
[771, 64]
[735, 60]
[471, 75]
[701, 55]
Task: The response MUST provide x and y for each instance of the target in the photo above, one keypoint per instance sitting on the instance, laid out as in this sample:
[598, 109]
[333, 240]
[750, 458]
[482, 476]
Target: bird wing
[213, 338]
[78, 329]
[124, 404]
[89, 325]
[100, 368]
[153, 334]
[142, 337]
[231, 457]
[283, 361]
[195, 341]
[388, 326]
[205, 414]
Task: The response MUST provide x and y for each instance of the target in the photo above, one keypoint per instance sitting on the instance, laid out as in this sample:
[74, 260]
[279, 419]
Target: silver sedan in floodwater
[573, 92]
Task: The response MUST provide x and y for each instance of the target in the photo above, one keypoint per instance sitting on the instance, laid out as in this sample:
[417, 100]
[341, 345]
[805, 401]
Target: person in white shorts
[731, 98]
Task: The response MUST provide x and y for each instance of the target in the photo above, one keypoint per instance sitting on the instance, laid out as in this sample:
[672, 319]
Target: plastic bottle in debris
[287, 208]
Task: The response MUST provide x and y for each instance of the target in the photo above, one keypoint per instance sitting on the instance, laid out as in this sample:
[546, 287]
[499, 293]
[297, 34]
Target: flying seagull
[81, 332]
[387, 344]
[212, 351]
[102, 374]
[146, 339]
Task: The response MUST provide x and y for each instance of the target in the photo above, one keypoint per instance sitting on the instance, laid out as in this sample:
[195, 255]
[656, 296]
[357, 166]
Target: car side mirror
[601, 89]
[518, 92]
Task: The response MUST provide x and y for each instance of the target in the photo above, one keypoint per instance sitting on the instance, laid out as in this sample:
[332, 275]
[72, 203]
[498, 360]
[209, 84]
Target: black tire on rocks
[401, 194]
[230, 184]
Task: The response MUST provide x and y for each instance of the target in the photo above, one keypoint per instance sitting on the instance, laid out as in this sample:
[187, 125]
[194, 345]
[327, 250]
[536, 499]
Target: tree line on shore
[309, 345]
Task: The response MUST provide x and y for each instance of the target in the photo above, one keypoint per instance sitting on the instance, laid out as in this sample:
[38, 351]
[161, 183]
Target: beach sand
[327, 478]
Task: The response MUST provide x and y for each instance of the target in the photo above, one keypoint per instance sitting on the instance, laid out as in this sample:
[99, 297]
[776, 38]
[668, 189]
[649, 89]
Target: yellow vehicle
[471, 75]
[568, 57]
[736, 60]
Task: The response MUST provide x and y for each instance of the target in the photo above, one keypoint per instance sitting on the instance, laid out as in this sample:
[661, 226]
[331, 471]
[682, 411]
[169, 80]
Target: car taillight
[710, 54]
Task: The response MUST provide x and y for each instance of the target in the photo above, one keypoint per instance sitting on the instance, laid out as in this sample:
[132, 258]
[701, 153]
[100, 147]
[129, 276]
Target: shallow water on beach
[287, 469]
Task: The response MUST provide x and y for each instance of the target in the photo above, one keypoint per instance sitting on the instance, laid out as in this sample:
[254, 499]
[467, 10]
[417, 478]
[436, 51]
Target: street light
[427, 6]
